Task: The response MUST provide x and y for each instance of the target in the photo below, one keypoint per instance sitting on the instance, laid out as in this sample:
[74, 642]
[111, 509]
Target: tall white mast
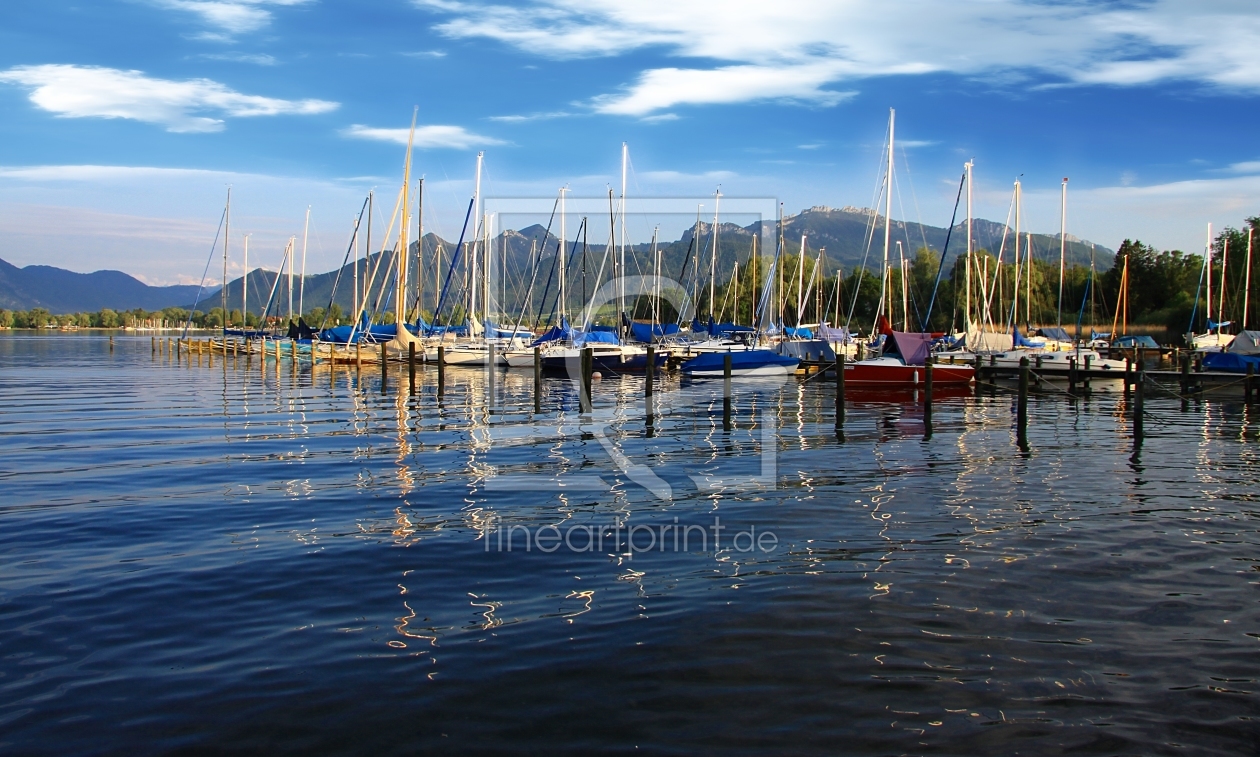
[561, 294]
[402, 336]
[717, 198]
[1062, 247]
[355, 232]
[288, 257]
[1028, 280]
[227, 226]
[1207, 255]
[1247, 280]
[1015, 288]
[892, 121]
[473, 283]
[621, 265]
[1220, 309]
[306, 227]
[905, 291]
[245, 285]
[970, 249]
[800, 283]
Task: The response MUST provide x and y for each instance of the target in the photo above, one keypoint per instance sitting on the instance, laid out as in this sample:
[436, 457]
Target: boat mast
[245, 285]
[717, 198]
[1015, 287]
[800, 283]
[1220, 309]
[905, 291]
[1062, 247]
[361, 297]
[1028, 280]
[288, 256]
[420, 248]
[1247, 280]
[970, 248]
[355, 227]
[473, 284]
[1207, 261]
[561, 292]
[306, 227]
[892, 121]
[621, 263]
[404, 247]
[227, 226]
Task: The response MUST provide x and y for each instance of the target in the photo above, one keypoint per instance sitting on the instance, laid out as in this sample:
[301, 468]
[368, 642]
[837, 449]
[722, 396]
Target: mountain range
[845, 233]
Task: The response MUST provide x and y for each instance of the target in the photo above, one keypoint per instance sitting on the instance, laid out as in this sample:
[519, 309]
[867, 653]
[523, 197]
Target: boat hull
[875, 374]
[743, 363]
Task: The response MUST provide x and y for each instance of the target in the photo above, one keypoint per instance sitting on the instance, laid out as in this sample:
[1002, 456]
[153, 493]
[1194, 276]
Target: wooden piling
[293, 351]
[491, 359]
[839, 391]
[441, 361]
[726, 392]
[358, 356]
[1128, 376]
[1185, 375]
[384, 369]
[588, 367]
[927, 390]
[649, 372]
[537, 379]
[411, 365]
[1021, 412]
[1072, 375]
[1247, 390]
[1085, 385]
[1139, 402]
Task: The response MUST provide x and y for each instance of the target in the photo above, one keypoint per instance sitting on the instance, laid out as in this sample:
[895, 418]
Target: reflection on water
[313, 558]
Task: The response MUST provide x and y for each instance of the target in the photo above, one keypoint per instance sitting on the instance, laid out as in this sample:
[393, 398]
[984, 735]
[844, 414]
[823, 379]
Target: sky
[125, 121]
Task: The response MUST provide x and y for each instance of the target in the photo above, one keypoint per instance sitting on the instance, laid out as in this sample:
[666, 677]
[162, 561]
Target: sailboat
[1212, 341]
[902, 361]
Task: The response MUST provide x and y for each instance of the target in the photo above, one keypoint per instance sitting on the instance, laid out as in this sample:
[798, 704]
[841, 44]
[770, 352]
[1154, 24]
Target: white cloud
[261, 59]
[516, 119]
[425, 54]
[1247, 166]
[799, 51]
[230, 16]
[431, 136]
[181, 106]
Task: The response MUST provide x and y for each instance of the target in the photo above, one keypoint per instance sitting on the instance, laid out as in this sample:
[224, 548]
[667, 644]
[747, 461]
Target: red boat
[902, 366]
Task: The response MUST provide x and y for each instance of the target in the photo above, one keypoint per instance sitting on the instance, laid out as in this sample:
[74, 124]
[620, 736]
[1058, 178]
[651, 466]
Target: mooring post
[441, 361]
[411, 365]
[358, 355]
[1247, 390]
[152, 344]
[1128, 376]
[584, 394]
[1021, 412]
[1085, 385]
[977, 363]
[1139, 402]
[927, 391]
[1185, 376]
[384, 369]
[839, 391]
[649, 372]
[491, 359]
[537, 379]
[726, 392]
[293, 351]
[861, 350]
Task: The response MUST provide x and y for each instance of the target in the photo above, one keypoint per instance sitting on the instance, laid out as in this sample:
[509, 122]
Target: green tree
[6, 319]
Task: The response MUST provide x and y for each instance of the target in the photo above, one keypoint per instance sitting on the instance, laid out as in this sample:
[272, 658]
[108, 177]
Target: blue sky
[125, 120]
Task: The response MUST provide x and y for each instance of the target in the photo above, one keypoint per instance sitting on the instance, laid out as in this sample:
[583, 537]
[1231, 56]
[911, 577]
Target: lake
[240, 557]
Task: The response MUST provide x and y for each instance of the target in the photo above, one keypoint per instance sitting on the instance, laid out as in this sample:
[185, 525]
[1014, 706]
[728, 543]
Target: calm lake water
[235, 558]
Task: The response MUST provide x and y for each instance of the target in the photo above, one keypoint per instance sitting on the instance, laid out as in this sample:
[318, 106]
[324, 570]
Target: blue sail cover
[646, 332]
[554, 334]
[1056, 333]
[800, 332]
[378, 333]
[1020, 341]
[595, 337]
[1214, 325]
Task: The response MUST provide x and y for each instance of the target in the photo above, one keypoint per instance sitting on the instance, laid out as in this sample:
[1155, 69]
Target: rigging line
[683, 275]
[997, 267]
[861, 270]
[923, 325]
[204, 273]
[910, 283]
[529, 293]
[437, 313]
[542, 302]
[350, 246]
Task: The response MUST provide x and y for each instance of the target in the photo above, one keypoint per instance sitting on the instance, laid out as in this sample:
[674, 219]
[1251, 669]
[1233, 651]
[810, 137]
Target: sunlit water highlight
[246, 557]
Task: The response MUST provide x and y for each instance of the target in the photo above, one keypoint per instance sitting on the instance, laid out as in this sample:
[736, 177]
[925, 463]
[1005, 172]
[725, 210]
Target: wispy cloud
[1247, 166]
[659, 118]
[180, 106]
[433, 136]
[516, 119]
[425, 54]
[798, 52]
[260, 59]
[229, 16]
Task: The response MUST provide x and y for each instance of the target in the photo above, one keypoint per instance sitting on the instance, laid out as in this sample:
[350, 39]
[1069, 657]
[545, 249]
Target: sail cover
[913, 348]
[1054, 334]
[1246, 343]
